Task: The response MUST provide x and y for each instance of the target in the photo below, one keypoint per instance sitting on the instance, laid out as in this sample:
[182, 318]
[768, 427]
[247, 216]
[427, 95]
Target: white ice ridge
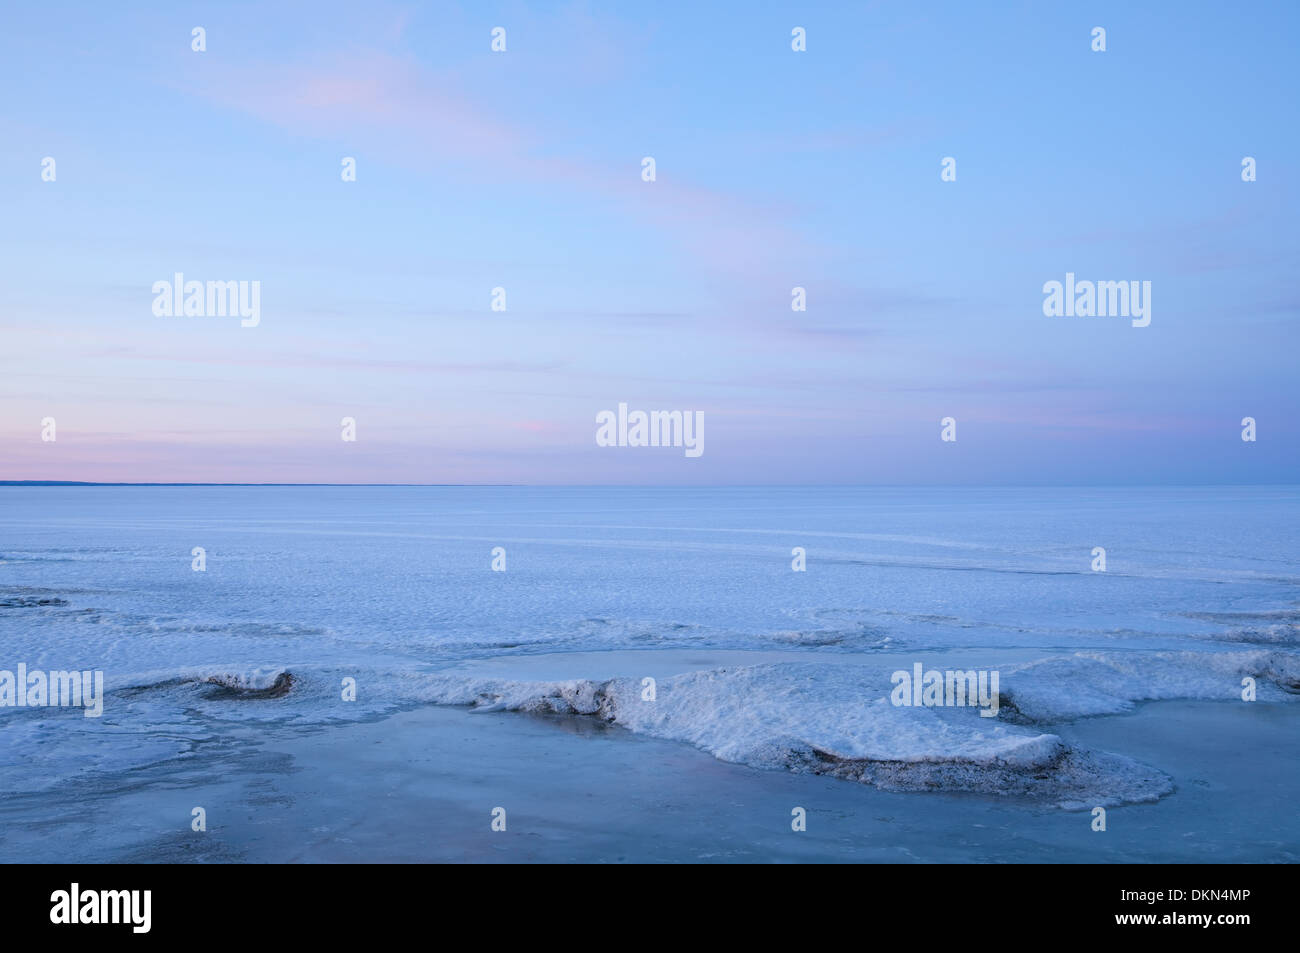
[837, 719]
[1102, 683]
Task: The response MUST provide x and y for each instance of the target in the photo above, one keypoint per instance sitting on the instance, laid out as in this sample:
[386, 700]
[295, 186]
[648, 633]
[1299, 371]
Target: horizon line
[644, 486]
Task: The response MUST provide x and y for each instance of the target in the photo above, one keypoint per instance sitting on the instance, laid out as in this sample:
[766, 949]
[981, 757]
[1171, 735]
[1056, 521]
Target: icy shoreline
[837, 719]
[419, 786]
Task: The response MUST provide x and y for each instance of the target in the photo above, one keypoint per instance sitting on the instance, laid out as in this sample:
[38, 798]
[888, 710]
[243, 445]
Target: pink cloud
[401, 112]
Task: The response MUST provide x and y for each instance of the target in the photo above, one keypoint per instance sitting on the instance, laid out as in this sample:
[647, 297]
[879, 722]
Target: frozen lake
[771, 687]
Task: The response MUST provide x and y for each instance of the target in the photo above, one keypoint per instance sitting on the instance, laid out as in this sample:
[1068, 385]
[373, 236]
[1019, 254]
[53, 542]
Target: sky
[774, 169]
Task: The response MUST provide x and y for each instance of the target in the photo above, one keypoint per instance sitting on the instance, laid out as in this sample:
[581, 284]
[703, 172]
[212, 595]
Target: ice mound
[1103, 683]
[259, 683]
[835, 720]
[252, 683]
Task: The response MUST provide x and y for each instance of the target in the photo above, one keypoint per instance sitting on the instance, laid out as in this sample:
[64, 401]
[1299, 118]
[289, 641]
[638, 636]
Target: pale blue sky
[775, 169]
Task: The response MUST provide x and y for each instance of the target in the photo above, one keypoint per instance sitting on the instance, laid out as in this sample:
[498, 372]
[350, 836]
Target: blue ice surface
[394, 587]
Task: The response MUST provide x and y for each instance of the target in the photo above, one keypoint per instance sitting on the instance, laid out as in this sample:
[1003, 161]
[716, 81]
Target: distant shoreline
[690, 486]
[96, 483]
